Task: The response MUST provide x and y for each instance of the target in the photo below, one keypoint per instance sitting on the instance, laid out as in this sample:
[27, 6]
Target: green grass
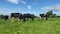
[51, 26]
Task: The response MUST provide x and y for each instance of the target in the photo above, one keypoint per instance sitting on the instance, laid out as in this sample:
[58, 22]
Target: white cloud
[13, 1]
[45, 8]
[35, 3]
[23, 2]
[16, 1]
[29, 7]
[55, 7]
[4, 12]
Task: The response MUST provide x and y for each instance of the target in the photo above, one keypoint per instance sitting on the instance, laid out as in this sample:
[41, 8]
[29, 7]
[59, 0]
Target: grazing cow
[22, 17]
[6, 17]
[44, 16]
[15, 15]
[28, 16]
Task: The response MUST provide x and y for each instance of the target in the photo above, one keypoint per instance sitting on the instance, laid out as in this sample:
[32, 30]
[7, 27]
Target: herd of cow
[25, 17]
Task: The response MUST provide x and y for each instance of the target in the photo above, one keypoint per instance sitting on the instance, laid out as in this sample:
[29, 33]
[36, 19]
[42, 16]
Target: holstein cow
[6, 17]
[28, 16]
[44, 16]
[22, 17]
[15, 15]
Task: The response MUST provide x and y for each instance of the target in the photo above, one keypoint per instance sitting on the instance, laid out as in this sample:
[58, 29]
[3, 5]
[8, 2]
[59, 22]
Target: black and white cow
[15, 15]
[28, 16]
[44, 16]
[22, 16]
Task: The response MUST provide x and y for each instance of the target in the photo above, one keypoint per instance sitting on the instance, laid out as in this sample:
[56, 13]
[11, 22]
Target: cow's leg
[46, 18]
[12, 19]
[42, 18]
[20, 19]
[24, 19]
[27, 19]
[6, 19]
[32, 19]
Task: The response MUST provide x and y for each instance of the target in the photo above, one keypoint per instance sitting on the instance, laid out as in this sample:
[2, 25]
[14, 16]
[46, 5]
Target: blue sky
[29, 6]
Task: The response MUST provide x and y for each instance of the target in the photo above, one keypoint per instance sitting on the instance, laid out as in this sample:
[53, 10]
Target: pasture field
[51, 26]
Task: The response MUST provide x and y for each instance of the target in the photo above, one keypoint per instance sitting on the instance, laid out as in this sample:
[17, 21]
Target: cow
[15, 15]
[6, 17]
[28, 16]
[44, 16]
[22, 17]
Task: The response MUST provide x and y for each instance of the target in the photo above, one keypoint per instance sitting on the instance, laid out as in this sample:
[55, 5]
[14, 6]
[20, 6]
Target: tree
[1, 16]
[50, 13]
